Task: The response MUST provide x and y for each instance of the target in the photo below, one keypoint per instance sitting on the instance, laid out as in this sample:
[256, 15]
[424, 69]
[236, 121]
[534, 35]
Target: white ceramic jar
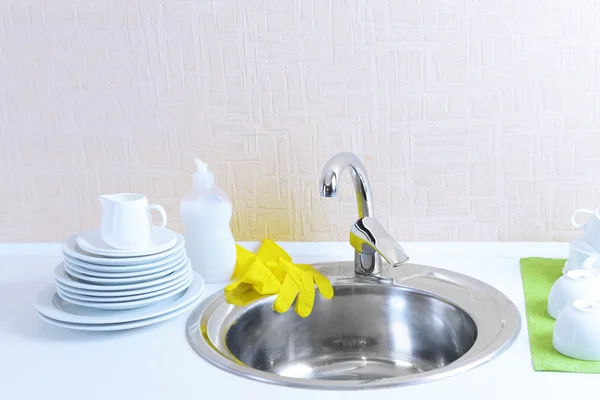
[577, 331]
[574, 285]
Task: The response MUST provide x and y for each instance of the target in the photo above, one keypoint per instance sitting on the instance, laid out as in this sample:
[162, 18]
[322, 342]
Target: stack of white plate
[98, 287]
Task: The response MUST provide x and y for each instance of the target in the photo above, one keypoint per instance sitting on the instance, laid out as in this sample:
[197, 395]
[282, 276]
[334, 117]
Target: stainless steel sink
[420, 324]
[388, 324]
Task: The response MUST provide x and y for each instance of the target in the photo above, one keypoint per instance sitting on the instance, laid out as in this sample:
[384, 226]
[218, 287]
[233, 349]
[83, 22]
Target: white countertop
[39, 361]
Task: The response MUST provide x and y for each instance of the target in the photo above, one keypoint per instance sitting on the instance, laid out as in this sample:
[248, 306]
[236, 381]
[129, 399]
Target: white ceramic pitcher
[591, 227]
[126, 220]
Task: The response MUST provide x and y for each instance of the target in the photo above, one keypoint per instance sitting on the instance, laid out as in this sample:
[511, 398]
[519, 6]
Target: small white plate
[120, 326]
[161, 239]
[49, 304]
[119, 299]
[94, 280]
[155, 266]
[135, 292]
[116, 274]
[124, 305]
[70, 248]
[61, 276]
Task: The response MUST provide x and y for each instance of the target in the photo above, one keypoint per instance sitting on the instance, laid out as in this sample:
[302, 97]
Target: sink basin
[418, 324]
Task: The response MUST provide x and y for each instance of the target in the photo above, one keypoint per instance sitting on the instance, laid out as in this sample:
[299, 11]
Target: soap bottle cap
[203, 178]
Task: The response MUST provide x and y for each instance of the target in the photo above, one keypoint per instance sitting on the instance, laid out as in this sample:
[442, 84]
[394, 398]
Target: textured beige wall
[477, 119]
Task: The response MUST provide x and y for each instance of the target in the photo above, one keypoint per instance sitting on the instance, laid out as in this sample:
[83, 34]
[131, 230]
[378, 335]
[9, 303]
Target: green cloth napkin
[538, 275]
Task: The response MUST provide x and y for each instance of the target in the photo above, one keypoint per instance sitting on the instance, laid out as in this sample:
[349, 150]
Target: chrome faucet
[369, 239]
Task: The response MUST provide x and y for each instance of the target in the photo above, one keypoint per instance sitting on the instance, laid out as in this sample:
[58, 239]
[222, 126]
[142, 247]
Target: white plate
[161, 239]
[119, 327]
[135, 292]
[154, 266]
[49, 304]
[72, 271]
[116, 274]
[124, 305]
[70, 248]
[61, 276]
[119, 299]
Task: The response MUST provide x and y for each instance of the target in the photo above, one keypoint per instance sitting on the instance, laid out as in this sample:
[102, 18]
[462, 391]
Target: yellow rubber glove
[300, 281]
[271, 271]
[244, 258]
[255, 280]
[323, 284]
[269, 251]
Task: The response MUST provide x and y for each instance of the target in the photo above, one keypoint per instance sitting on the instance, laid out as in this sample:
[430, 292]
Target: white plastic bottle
[206, 214]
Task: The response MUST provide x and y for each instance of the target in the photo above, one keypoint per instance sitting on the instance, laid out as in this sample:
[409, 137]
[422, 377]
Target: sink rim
[495, 335]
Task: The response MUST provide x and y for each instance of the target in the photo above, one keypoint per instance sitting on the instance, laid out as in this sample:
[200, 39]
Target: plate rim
[44, 304]
[120, 326]
[69, 247]
[113, 252]
[136, 303]
[126, 268]
[129, 279]
[134, 297]
[131, 292]
[61, 275]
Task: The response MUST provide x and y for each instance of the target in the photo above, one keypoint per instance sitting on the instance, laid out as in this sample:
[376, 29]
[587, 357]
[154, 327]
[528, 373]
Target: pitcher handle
[590, 262]
[577, 212]
[161, 211]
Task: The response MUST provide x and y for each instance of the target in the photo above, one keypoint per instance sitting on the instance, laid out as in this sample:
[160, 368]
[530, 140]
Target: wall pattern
[478, 120]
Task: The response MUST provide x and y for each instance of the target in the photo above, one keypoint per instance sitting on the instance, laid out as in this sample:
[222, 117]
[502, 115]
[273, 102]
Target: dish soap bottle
[206, 214]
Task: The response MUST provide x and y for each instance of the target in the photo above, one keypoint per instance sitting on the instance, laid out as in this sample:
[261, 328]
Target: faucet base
[367, 263]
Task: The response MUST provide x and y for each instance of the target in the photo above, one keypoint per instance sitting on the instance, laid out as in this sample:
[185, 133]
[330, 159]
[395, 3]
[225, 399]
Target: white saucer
[135, 292]
[60, 274]
[120, 299]
[124, 305]
[119, 326]
[75, 271]
[49, 304]
[70, 248]
[155, 266]
[161, 239]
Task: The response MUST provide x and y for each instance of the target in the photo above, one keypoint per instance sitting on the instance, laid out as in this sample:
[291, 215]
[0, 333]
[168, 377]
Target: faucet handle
[368, 236]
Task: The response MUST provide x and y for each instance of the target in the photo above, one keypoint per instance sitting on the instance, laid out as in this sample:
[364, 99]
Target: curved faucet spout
[330, 179]
[370, 240]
